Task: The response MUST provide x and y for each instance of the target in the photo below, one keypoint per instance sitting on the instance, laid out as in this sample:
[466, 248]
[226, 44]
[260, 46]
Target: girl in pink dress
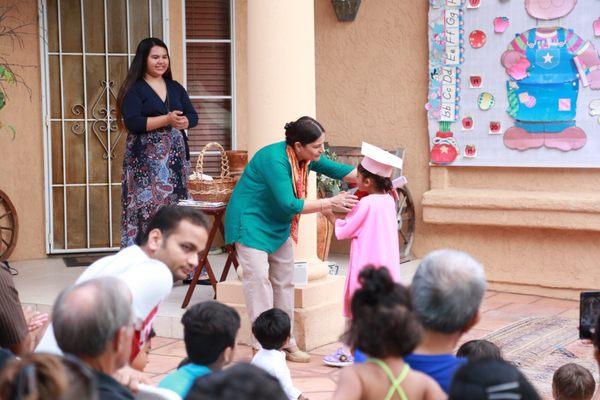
[372, 226]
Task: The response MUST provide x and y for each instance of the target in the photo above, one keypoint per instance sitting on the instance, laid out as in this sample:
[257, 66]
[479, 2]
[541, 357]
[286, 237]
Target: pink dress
[373, 228]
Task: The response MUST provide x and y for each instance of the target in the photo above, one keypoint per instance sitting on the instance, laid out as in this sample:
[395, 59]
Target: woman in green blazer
[263, 214]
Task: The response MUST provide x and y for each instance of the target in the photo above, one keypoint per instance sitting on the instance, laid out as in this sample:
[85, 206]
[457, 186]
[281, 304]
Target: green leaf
[2, 100]
[13, 130]
[6, 74]
[9, 76]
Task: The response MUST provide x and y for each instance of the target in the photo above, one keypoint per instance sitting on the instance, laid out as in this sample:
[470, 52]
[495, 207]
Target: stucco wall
[22, 159]
[372, 85]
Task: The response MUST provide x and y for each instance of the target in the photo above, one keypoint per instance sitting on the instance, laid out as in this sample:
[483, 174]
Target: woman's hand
[177, 120]
[184, 124]
[343, 202]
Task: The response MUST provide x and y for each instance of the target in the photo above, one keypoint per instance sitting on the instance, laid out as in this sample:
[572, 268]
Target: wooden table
[217, 213]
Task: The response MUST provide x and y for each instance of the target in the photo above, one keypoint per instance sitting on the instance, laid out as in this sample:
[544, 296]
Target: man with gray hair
[93, 321]
[447, 291]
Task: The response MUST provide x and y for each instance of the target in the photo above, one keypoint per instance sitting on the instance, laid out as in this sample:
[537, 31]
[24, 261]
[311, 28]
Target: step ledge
[534, 209]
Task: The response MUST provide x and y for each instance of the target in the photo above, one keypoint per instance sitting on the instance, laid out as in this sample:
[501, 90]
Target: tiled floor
[318, 381]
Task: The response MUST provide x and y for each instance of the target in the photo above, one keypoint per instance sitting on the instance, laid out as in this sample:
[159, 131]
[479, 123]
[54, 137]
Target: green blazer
[263, 204]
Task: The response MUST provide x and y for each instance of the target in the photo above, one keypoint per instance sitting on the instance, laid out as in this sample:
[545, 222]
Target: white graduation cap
[379, 161]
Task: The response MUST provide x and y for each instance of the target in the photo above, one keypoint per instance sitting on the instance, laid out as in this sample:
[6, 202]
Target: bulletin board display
[514, 83]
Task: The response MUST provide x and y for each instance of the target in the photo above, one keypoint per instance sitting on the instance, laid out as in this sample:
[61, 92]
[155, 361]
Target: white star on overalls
[548, 58]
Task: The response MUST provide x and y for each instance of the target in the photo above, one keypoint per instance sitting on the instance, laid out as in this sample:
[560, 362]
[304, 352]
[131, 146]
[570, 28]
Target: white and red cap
[378, 161]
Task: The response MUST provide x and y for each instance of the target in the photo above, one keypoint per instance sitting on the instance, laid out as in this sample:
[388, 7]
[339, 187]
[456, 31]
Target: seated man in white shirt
[272, 329]
[166, 252]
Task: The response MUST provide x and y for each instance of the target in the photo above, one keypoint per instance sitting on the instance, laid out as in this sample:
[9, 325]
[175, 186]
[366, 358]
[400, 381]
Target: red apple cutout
[467, 123]
[495, 127]
[470, 151]
[475, 81]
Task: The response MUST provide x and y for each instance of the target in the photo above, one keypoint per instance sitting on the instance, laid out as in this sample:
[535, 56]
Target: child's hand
[327, 213]
[130, 378]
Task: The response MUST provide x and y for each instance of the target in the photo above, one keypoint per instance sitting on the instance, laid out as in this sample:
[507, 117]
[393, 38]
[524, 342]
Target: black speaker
[589, 311]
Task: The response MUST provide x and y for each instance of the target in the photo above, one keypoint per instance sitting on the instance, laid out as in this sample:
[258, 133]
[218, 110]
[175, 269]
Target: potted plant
[326, 187]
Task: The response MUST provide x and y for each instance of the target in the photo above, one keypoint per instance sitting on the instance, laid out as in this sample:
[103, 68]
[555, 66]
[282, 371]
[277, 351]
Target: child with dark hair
[573, 382]
[478, 350]
[372, 226]
[384, 327]
[42, 376]
[490, 379]
[240, 382]
[141, 360]
[209, 331]
[272, 329]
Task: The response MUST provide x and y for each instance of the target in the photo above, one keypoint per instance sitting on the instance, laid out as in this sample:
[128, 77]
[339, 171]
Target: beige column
[176, 44]
[281, 83]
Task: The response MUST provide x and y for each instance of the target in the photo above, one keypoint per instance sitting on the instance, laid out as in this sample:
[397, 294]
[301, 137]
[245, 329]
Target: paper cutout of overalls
[544, 82]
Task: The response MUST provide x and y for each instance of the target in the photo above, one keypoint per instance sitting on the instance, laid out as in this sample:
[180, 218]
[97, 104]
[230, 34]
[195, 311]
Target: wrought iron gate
[87, 46]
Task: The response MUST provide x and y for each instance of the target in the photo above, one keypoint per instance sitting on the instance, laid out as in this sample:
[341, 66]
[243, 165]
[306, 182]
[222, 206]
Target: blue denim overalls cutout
[553, 83]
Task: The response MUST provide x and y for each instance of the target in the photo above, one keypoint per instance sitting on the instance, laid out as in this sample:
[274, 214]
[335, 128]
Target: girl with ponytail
[385, 327]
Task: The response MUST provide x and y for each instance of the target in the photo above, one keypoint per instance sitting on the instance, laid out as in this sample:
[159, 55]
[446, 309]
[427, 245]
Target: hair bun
[375, 282]
[288, 125]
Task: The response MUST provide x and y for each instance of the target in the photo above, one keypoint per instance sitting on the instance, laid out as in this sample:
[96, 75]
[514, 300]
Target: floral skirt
[155, 173]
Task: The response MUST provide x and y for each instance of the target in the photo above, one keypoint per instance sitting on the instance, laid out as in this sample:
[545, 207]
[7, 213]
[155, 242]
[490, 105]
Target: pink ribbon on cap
[399, 182]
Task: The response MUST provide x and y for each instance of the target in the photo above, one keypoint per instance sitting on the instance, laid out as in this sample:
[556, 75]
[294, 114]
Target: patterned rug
[540, 345]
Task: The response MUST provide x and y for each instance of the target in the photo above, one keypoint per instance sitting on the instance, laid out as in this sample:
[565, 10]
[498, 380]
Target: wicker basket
[217, 190]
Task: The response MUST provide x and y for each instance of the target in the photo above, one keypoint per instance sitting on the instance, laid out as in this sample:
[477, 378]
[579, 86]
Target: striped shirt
[547, 38]
[13, 327]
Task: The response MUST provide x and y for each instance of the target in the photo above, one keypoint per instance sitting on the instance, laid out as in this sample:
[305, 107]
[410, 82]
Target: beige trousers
[267, 281]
